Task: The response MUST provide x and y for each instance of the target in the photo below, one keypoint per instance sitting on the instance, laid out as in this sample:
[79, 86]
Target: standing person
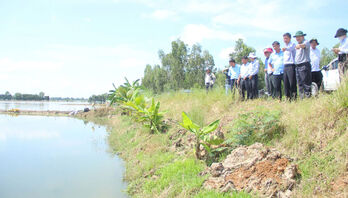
[243, 79]
[303, 65]
[290, 85]
[342, 52]
[234, 72]
[209, 80]
[253, 75]
[276, 63]
[268, 72]
[227, 80]
[317, 76]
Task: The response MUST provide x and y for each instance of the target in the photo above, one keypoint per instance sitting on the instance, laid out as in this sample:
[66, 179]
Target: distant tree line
[98, 98]
[19, 96]
[181, 68]
[68, 99]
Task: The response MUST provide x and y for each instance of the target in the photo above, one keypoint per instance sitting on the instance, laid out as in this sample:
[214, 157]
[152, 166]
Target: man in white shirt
[342, 52]
[253, 75]
[268, 72]
[209, 80]
[243, 79]
[290, 84]
[317, 76]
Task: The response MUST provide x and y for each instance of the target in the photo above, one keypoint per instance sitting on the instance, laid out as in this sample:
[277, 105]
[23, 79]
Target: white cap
[252, 55]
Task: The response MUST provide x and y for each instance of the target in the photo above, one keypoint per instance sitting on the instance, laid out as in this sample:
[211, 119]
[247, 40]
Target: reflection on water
[52, 157]
[43, 105]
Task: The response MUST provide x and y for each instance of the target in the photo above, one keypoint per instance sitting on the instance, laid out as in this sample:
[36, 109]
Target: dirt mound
[254, 168]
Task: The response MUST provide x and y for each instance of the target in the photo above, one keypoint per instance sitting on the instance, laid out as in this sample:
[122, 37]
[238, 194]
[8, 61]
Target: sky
[76, 48]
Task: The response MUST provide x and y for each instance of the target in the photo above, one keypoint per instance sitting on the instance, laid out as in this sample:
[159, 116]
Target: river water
[44, 105]
[56, 157]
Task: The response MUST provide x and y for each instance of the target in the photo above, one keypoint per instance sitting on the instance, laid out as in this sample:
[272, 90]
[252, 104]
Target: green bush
[257, 126]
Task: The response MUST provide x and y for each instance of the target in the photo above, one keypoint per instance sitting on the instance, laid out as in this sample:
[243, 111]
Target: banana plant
[202, 134]
[124, 93]
[150, 116]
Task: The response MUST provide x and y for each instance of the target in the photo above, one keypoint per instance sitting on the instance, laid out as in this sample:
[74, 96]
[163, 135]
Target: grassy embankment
[315, 134]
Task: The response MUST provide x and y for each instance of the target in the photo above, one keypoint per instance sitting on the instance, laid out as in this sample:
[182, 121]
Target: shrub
[258, 126]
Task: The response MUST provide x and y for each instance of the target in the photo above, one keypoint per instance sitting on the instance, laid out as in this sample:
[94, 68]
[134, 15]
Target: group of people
[296, 65]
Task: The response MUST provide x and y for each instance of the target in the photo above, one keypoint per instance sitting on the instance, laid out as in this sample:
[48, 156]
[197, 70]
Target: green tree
[41, 94]
[174, 63]
[8, 96]
[326, 56]
[181, 68]
[240, 50]
[18, 96]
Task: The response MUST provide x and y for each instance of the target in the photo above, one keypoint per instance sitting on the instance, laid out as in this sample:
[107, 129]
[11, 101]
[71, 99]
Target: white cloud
[224, 53]
[161, 14]
[271, 15]
[196, 33]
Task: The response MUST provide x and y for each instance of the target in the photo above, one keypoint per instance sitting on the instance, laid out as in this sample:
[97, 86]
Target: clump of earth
[254, 168]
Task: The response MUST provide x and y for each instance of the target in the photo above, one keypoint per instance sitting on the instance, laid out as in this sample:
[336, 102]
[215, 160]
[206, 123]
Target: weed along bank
[201, 144]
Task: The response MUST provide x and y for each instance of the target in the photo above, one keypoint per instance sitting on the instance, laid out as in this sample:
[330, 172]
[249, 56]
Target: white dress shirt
[289, 53]
[315, 59]
[343, 46]
[254, 67]
[244, 70]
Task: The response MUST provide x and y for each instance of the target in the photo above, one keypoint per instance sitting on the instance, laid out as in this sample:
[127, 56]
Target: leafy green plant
[150, 116]
[202, 134]
[257, 126]
[124, 93]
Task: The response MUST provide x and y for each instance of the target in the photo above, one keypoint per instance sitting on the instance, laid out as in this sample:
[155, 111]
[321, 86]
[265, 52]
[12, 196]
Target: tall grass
[314, 135]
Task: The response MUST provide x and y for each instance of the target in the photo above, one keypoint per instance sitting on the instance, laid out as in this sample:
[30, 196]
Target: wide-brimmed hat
[314, 39]
[270, 50]
[299, 33]
[252, 55]
[341, 32]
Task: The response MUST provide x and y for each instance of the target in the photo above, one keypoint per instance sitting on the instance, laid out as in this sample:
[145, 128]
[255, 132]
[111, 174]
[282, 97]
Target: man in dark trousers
[243, 79]
[290, 85]
[253, 75]
[268, 72]
[342, 52]
[227, 80]
[276, 64]
[233, 72]
[317, 76]
[303, 65]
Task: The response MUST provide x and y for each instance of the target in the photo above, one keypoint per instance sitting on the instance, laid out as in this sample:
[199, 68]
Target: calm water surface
[49, 157]
[44, 105]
